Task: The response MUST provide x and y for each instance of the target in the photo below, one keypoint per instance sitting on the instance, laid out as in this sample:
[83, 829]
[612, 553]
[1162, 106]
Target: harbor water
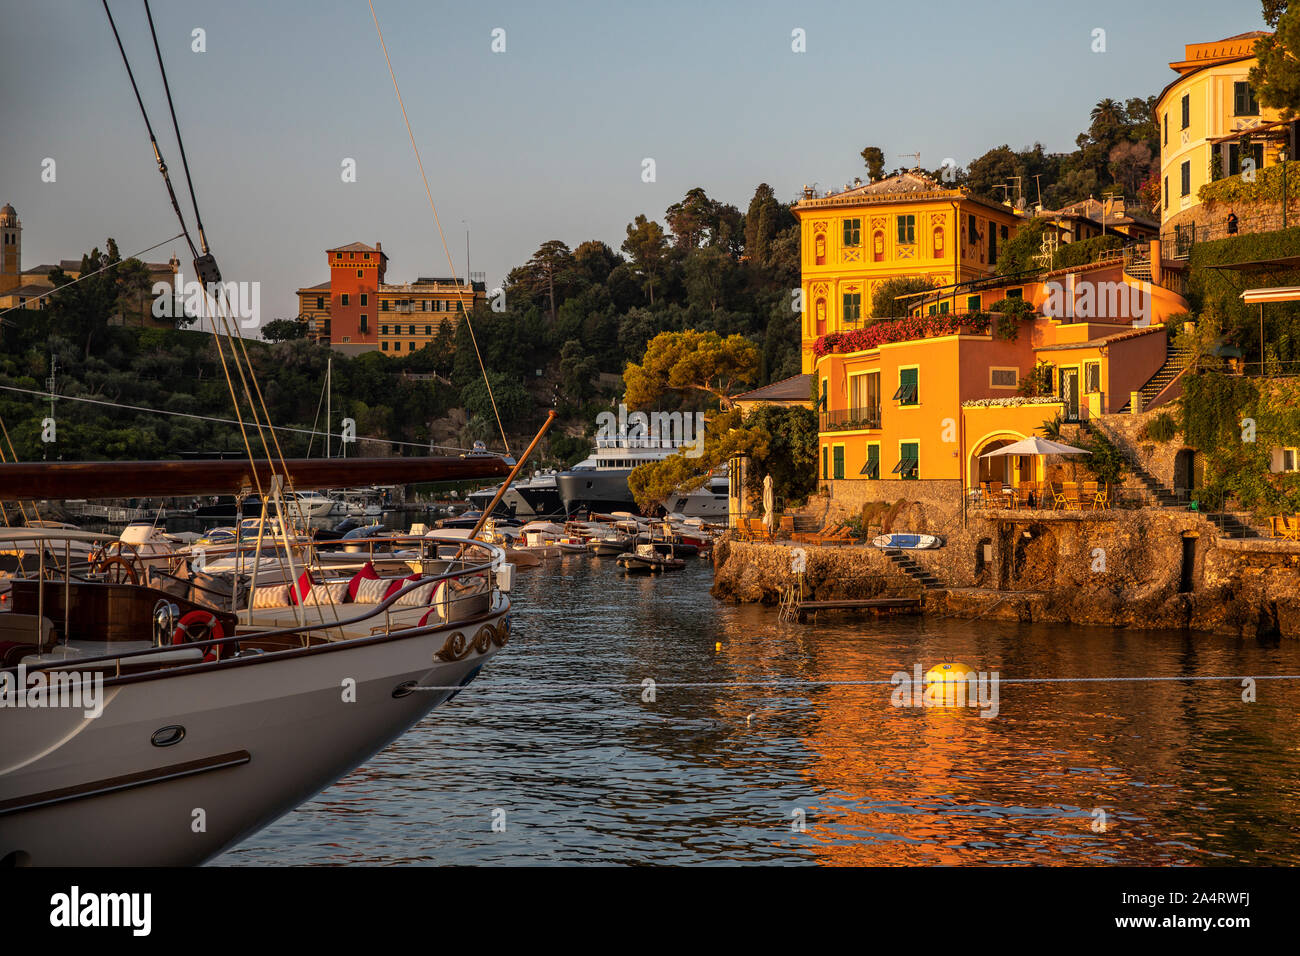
[555, 756]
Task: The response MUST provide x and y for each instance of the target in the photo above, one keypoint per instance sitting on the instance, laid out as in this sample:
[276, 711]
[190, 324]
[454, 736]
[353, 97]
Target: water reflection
[1184, 773]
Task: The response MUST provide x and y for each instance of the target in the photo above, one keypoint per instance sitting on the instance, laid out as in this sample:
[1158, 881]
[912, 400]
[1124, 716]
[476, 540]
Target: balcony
[846, 419]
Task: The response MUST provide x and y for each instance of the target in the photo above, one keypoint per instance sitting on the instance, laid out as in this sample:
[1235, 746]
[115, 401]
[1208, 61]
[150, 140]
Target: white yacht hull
[261, 735]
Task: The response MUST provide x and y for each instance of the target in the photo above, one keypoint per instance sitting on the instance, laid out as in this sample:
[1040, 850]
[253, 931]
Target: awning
[1290, 293]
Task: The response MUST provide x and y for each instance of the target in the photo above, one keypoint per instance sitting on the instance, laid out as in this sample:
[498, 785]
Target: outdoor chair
[1293, 527]
[1101, 499]
[1088, 495]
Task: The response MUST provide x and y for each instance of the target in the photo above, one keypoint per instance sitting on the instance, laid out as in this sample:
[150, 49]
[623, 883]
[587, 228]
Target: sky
[545, 140]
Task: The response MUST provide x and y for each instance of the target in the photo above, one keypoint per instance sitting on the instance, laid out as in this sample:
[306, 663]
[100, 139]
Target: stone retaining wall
[1116, 568]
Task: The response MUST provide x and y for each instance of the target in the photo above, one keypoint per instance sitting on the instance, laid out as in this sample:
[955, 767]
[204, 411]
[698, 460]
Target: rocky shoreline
[1147, 568]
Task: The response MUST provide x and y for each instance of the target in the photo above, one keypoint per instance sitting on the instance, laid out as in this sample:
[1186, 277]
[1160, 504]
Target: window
[872, 468]
[384, 346]
[906, 230]
[837, 457]
[943, 306]
[383, 305]
[993, 244]
[383, 330]
[327, 326]
[410, 330]
[320, 302]
[1004, 377]
[343, 298]
[1015, 293]
[424, 305]
[972, 303]
[864, 398]
[1092, 377]
[972, 233]
[1187, 110]
[365, 299]
[397, 346]
[428, 330]
[363, 328]
[411, 347]
[1166, 193]
[1185, 174]
[338, 255]
[1291, 459]
[907, 386]
[909, 459]
[358, 273]
[852, 306]
[1243, 100]
[1166, 130]
[826, 457]
[852, 233]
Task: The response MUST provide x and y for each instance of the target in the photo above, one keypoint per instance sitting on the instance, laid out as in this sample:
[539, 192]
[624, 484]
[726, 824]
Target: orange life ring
[215, 632]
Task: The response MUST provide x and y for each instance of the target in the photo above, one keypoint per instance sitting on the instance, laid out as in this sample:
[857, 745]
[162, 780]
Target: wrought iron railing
[845, 419]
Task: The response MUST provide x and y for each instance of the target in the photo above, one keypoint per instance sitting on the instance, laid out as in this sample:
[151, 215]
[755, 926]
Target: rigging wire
[438, 222]
[180, 143]
[222, 421]
[153, 140]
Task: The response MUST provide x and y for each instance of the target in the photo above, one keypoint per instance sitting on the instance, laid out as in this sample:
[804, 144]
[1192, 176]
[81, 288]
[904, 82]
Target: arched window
[819, 250]
[821, 317]
[878, 247]
[938, 242]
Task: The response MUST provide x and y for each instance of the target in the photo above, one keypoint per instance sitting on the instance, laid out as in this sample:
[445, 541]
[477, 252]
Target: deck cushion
[367, 573]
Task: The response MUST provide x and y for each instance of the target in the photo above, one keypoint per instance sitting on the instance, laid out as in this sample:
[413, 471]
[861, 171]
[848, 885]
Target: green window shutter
[908, 387]
[908, 461]
[826, 472]
[872, 468]
[839, 461]
[972, 303]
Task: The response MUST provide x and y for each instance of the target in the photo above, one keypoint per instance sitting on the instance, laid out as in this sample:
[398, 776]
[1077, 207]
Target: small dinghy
[646, 560]
[609, 547]
[908, 542]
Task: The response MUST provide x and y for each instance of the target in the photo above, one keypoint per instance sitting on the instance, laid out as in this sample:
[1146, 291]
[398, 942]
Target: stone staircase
[1229, 525]
[1175, 361]
[903, 561]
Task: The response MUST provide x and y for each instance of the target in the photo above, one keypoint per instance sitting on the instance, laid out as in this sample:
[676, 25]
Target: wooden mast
[138, 479]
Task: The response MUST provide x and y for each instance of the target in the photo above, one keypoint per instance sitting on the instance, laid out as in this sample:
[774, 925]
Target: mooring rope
[797, 682]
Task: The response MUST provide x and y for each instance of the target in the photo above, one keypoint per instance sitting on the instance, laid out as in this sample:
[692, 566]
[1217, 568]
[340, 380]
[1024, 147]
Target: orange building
[357, 311]
[923, 398]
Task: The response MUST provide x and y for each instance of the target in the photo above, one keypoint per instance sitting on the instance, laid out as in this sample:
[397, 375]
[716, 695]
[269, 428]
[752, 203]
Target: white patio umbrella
[769, 503]
[1036, 446]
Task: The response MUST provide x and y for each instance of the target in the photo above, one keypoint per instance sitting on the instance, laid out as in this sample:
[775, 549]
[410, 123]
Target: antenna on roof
[915, 156]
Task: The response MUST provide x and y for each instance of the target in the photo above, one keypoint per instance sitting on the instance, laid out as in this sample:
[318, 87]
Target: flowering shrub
[1011, 402]
[902, 330]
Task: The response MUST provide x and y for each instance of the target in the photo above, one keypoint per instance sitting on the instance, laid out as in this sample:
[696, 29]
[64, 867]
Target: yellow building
[30, 288]
[903, 225]
[1211, 124]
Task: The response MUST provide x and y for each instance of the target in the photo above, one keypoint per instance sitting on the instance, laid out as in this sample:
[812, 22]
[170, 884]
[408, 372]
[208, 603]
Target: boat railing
[496, 559]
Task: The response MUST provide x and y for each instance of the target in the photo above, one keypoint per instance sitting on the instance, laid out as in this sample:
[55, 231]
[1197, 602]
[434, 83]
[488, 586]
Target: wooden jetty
[878, 606]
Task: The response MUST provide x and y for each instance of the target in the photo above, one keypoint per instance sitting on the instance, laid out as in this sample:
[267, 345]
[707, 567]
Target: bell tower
[11, 249]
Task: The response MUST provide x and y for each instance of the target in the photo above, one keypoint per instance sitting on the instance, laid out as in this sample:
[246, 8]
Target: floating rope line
[438, 222]
[795, 682]
[222, 421]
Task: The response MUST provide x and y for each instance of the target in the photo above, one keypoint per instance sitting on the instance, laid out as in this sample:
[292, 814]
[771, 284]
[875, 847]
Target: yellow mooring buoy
[942, 684]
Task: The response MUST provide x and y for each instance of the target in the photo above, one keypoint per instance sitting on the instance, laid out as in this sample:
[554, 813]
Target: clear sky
[543, 141]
